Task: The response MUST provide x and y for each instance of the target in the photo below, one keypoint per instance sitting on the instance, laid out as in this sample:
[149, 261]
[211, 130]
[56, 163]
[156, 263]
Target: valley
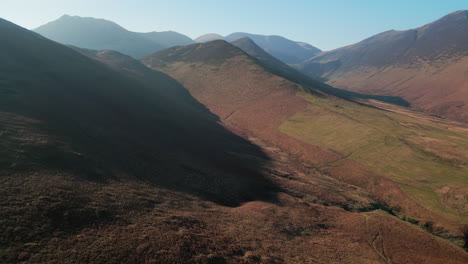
[126, 147]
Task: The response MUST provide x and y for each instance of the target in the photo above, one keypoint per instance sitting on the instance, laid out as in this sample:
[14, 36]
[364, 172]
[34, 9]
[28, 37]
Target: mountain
[250, 47]
[168, 38]
[425, 66]
[286, 50]
[104, 160]
[385, 150]
[92, 33]
[208, 37]
[282, 69]
[93, 145]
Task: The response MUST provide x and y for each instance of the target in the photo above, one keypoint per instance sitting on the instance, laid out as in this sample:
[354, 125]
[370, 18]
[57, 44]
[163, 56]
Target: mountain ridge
[420, 65]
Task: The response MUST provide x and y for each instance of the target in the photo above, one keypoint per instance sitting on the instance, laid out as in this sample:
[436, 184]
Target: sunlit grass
[383, 142]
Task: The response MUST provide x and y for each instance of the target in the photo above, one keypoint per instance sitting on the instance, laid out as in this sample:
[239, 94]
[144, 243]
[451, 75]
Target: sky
[326, 24]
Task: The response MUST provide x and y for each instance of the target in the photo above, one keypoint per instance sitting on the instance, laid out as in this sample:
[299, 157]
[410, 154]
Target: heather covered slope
[426, 66]
[99, 34]
[286, 50]
[416, 164]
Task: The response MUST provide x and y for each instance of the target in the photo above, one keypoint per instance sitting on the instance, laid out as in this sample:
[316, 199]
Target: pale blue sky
[326, 24]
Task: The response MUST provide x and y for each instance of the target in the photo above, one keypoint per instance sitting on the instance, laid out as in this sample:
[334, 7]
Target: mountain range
[100, 34]
[286, 50]
[221, 152]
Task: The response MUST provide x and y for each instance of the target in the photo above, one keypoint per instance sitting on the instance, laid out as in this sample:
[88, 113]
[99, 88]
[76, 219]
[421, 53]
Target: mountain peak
[459, 13]
[215, 51]
[65, 16]
[208, 37]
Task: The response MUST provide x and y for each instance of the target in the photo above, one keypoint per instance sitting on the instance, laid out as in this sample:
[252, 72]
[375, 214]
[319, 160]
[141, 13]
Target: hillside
[425, 66]
[92, 33]
[404, 159]
[104, 160]
[280, 68]
[76, 134]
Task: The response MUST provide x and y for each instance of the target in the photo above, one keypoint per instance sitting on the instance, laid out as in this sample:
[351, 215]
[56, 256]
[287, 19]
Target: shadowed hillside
[425, 66]
[70, 119]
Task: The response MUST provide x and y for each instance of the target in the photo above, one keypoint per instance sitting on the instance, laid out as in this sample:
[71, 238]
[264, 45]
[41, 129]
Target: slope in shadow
[65, 112]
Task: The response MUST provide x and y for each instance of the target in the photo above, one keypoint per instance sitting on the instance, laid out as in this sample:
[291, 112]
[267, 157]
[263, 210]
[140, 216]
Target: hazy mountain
[208, 37]
[426, 66]
[168, 38]
[352, 141]
[92, 33]
[286, 50]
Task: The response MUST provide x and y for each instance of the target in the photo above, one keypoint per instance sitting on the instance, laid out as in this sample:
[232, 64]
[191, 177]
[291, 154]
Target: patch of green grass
[378, 140]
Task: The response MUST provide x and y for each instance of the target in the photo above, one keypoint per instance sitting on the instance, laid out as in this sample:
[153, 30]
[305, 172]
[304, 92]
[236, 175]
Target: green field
[419, 154]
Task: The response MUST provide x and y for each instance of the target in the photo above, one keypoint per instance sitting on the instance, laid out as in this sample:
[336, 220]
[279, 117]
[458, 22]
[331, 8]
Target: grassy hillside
[427, 159]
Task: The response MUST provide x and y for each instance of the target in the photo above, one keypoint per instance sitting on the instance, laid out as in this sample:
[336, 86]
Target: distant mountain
[286, 50]
[168, 38]
[208, 37]
[426, 66]
[92, 33]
